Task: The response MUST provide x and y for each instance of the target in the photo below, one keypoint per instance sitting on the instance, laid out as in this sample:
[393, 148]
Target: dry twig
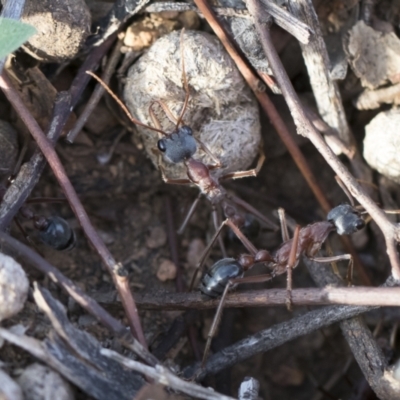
[115, 269]
[355, 296]
[165, 377]
[305, 128]
[258, 88]
[97, 93]
[360, 340]
[277, 121]
[85, 301]
[316, 58]
[276, 336]
[30, 172]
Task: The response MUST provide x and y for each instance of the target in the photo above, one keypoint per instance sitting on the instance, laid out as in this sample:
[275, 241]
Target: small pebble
[14, 287]
[157, 238]
[195, 250]
[9, 389]
[166, 271]
[382, 144]
[62, 28]
[288, 375]
[39, 382]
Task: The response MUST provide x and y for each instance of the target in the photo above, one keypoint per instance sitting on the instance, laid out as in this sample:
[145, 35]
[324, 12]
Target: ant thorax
[313, 236]
[200, 175]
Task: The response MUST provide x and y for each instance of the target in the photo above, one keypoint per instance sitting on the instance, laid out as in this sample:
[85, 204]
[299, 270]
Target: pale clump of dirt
[222, 111]
[62, 28]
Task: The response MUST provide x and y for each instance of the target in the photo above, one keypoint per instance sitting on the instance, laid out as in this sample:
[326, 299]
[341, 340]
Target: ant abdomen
[346, 219]
[55, 232]
[217, 277]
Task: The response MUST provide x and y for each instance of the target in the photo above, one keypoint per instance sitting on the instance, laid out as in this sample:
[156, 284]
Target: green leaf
[13, 34]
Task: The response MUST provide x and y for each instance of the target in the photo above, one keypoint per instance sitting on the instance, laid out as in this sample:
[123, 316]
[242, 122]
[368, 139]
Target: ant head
[179, 145]
[215, 280]
[346, 219]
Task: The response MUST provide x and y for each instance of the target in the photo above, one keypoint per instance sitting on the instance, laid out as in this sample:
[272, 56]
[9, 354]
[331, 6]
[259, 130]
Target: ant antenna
[122, 105]
[185, 82]
[345, 190]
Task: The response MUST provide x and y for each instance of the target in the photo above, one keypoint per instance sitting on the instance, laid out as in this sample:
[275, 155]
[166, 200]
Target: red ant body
[228, 272]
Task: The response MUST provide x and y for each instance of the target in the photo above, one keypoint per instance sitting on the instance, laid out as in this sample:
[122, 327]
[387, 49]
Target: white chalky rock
[382, 144]
[39, 382]
[14, 287]
[9, 389]
[222, 110]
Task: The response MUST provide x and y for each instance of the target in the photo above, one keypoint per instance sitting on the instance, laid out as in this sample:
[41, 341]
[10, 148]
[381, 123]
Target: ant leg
[122, 105]
[184, 81]
[342, 257]
[289, 268]
[216, 222]
[217, 318]
[204, 256]
[27, 237]
[153, 118]
[250, 172]
[172, 181]
[246, 243]
[189, 215]
[249, 208]
[284, 229]
[239, 234]
[165, 108]
[218, 313]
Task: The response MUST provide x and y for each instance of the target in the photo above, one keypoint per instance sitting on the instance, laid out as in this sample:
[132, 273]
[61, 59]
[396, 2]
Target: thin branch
[283, 18]
[277, 122]
[181, 7]
[97, 93]
[120, 12]
[316, 58]
[115, 269]
[326, 92]
[289, 22]
[85, 301]
[305, 128]
[163, 376]
[257, 86]
[360, 340]
[276, 336]
[30, 172]
[355, 296]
